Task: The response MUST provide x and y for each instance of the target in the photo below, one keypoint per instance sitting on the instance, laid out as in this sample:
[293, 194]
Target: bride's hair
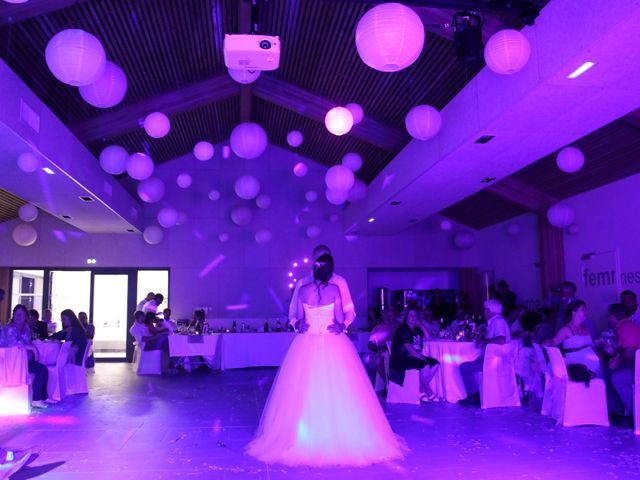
[322, 270]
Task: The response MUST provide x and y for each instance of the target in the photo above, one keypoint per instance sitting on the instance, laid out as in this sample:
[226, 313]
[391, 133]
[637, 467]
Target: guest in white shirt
[629, 301]
[153, 304]
[340, 282]
[498, 333]
[167, 322]
[150, 296]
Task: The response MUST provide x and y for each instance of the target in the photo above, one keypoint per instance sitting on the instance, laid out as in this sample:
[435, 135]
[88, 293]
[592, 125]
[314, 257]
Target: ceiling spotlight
[48, 171]
[371, 220]
[467, 38]
[487, 180]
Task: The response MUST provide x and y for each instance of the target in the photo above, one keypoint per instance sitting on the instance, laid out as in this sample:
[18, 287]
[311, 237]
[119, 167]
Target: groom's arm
[347, 303]
[293, 306]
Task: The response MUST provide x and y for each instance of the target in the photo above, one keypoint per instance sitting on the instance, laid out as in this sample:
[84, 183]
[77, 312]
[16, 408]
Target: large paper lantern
[311, 196]
[28, 212]
[263, 201]
[214, 195]
[464, 239]
[390, 37]
[223, 237]
[168, 217]
[241, 215]
[336, 197]
[263, 236]
[108, 90]
[338, 121]
[24, 235]
[446, 225]
[248, 140]
[203, 151]
[153, 235]
[352, 161]
[28, 162]
[358, 192]
[151, 190]
[570, 160]
[300, 169]
[356, 112]
[423, 122]
[507, 52]
[16, 1]
[75, 57]
[140, 166]
[313, 231]
[560, 215]
[339, 177]
[294, 138]
[157, 124]
[184, 180]
[247, 187]
[113, 159]
[244, 76]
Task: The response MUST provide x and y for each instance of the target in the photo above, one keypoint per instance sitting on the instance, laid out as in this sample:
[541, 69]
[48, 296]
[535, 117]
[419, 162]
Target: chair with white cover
[76, 375]
[15, 382]
[147, 362]
[636, 394]
[573, 403]
[381, 384]
[548, 388]
[56, 384]
[499, 386]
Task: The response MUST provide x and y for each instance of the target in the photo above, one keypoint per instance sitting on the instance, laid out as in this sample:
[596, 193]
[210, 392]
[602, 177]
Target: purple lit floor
[195, 426]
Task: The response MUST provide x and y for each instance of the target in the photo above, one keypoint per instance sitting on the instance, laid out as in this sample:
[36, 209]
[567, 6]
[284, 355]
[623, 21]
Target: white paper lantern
[339, 177]
[464, 239]
[168, 217]
[223, 237]
[140, 166]
[16, 1]
[113, 159]
[214, 195]
[157, 124]
[151, 190]
[24, 235]
[248, 140]
[338, 121]
[184, 180]
[153, 235]
[313, 231]
[573, 229]
[560, 215]
[334, 218]
[514, 229]
[75, 57]
[294, 138]
[358, 192]
[446, 225]
[390, 37]
[108, 90]
[311, 196]
[336, 197]
[241, 215]
[570, 160]
[247, 187]
[263, 236]
[352, 161]
[203, 151]
[356, 112]
[244, 76]
[300, 169]
[28, 162]
[423, 122]
[28, 212]
[263, 201]
[507, 52]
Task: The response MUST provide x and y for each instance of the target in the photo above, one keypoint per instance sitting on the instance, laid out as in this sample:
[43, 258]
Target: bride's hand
[301, 326]
[336, 328]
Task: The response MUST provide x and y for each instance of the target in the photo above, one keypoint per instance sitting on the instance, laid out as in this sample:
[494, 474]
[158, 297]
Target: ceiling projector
[251, 52]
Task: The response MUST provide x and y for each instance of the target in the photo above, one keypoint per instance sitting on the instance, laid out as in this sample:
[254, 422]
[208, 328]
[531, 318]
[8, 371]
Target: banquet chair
[499, 386]
[381, 384]
[76, 375]
[548, 388]
[56, 384]
[636, 395]
[147, 362]
[407, 393]
[573, 403]
[15, 393]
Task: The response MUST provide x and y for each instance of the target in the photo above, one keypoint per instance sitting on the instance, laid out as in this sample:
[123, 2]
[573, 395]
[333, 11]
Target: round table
[48, 351]
[447, 383]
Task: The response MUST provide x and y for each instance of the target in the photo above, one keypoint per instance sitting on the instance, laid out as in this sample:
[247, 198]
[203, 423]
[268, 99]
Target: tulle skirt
[323, 411]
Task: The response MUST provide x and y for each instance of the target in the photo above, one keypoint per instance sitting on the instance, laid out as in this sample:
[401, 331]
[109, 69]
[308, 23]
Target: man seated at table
[166, 321]
[38, 328]
[380, 335]
[498, 333]
[147, 336]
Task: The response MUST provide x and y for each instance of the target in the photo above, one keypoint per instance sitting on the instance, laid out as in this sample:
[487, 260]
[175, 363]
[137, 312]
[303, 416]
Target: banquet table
[14, 369]
[447, 383]
[47, 351]
[207, 346]
[242, 350]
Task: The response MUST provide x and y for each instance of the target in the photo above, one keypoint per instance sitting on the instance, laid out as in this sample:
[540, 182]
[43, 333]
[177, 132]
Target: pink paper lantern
[339, 177]
[313, 231]
[75, 57]
[570, 160]
[203, 151]
[263, 236]
[151, 190]
[294, 138]
[300, 169]
[338, 121]
[24, 235]
[214, 195]
[168, 217]
[247, 187]
[311, 196]
[263, 201]
[153, 235]
[336, 197]
[358, 192]
[423, 122]
[140, 166]
[28, 162]
[244, 76]
[28, 212]
[446, 225]
[560, 215]
[113, 159]
[464, 239]
[108, 90]
[248, 140]
[507, 52]
[241, 215]
[184, 180]
[157, 125]
[334, 218]
[356, 112]
[352, 161]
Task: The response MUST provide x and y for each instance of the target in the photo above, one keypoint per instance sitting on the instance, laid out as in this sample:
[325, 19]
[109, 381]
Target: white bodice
[319, 317]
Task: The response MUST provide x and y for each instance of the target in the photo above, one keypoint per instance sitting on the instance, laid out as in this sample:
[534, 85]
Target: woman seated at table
[90, 332]
[406, 354]
[17, 333]
[73, 332]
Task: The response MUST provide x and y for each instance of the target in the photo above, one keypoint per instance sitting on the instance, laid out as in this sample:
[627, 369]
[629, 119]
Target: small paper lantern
[244, 76]
[247, 187]
[573, 229]
[248, 140]
[203, 151]
[24, 235]
[157, 124]
[28, 162]
[16, 1]
[423, 122]
[184, 180]
[390, 37]
[214, 195]
[356, 112]
[139, 166]
[300, 169]
[560, 215]
[570, 160]
[263, 236]
[263, 201]
[446, 225]
[507, 52]
[514, 229]
[352, 161]
[153, 235]
[358, 192]
[168, 217]
[338, 121]
[28, 212]
[311, 196]
[113, 159]
[108, 90]
[339, 177]
[75, 57]
[294, 138]
[313, 231]
[334, 218]
[241, 215]
[151, 190]
[464, 240]
[223, 237]
[336, 197]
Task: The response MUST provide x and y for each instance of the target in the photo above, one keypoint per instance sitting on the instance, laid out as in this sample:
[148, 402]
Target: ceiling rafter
[522, 195]
[19, 12]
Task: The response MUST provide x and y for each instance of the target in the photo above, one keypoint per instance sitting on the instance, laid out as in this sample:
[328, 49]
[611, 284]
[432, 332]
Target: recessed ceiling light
[48, 170]
[85, 198]
[395, 202]
[371, 220]
[485, 139]
[66, 216]
[130, 230]
[487, 180]
[581, 69]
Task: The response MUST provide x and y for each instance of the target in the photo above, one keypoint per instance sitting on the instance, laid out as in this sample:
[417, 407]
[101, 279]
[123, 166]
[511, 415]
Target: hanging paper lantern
[358, 192]
[139, 166]
[263, 236]
[223, 237]
[153, 235]
[248, 140]
[16, 2]
[356, 112]
[75, 57]
[108, 90]
[263, 201]
[151, 190]
[113, 159]
[294, 138]
[157, 124]
[336, 197]
[184, 180]
[464, 239]
[300, 169]
[352, 161]
[573, 229]
[28, 212]
[423, 122]
[313, 231]
[446, 225]
[390, 37]
[214, 195]
[168, 217]
[560, 215]
[570, 160]
[24, 235]
[507, 52]
[203, 151]
[247, 187]
[338, 121]
[241, 215]
[28, 162]
[514, 229]
[311, 196]
[334, 218]
[244, 76]
[339, 177]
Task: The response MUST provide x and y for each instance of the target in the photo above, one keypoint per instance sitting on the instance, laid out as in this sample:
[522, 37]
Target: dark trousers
[468, 371]
[41, 375]
[160, 342]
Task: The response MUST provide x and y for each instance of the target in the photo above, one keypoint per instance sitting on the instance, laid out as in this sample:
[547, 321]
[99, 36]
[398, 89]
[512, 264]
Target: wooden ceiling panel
[9, 205]
[482, 210]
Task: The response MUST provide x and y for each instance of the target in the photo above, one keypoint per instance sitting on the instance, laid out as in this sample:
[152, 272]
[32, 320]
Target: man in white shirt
[167, 322]
[146, 299]
[497, 332]
[153, 304]
[340, 282]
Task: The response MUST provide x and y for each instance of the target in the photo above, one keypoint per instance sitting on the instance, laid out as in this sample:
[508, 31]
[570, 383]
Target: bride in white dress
[322, 409]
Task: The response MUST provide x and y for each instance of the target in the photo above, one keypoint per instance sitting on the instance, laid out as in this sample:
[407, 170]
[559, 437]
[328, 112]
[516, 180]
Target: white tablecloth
[207, 346]
[47, 351]
[242, 350]
[447, 383]
[14, 369]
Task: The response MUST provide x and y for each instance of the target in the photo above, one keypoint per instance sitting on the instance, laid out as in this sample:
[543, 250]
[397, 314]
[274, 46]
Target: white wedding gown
[322, 409]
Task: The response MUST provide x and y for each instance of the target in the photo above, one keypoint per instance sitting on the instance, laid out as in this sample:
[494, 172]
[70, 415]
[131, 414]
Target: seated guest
[18, 333]
[146, 335]
[498, 333]
[90, 332]
[167, 322]
[373, 318]
[623, 361]
[406, 354]
[47, 317]
[380, 335]
[198, 320]
[153, 304]
[38, 328]
[150, 296]
[73, 332]
[629, 301]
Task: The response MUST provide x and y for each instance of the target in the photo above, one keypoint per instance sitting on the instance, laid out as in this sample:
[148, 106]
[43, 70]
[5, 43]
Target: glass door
[69, 289]
[110, 314]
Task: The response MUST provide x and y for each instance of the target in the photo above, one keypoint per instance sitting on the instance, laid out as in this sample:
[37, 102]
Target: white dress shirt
[150, 306]
[347, 303]
[498, 327]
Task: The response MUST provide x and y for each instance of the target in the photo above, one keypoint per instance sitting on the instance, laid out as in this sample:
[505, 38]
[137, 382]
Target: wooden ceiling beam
[522, 195]
[19, 12]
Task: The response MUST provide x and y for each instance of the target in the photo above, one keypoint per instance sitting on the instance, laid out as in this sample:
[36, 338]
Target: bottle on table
[266, 326]
[243, 327]
[278, 326]
[234, 327]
